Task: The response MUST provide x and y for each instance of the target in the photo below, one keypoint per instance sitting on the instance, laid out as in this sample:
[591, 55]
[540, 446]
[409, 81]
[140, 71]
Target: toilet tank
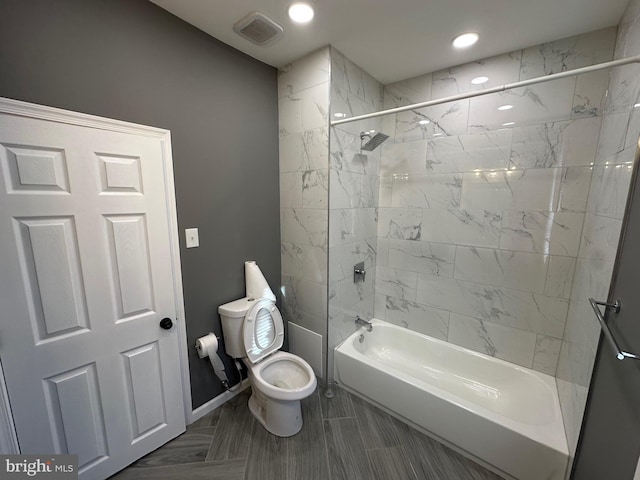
[232, 317]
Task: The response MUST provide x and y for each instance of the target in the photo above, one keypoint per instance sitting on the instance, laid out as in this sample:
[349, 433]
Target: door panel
[35, 169]
[77, 414]
[609, 441]
[48, 252]
[85, 256]
[130, 264]
[119, 175]
[144, 381]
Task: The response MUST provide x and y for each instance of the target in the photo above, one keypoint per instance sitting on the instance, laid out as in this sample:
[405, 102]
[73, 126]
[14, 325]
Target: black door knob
[166, 323]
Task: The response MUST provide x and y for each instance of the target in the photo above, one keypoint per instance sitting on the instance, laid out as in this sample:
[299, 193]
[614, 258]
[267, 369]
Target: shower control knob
[166, 323]
[359, 272]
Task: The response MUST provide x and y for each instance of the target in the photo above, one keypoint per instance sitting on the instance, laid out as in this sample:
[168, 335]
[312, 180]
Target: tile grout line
[324, 437]
[362, 439]
[413, 469]
[213, 437]
[249, 450]
[287, 457]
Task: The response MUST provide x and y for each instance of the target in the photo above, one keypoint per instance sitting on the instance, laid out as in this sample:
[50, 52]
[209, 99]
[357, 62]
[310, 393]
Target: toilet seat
[263, 330]
[278, 375]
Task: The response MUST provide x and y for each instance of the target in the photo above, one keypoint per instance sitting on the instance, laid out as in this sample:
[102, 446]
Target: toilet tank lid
[237, 308]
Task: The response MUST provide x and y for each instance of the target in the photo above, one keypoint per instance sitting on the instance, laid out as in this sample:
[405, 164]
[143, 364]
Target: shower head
[373, 142]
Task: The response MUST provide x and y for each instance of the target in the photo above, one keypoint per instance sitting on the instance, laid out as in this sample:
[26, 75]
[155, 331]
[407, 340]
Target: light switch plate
[191, 235]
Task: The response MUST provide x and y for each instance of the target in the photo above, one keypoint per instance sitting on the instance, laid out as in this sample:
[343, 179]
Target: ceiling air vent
[258, 28]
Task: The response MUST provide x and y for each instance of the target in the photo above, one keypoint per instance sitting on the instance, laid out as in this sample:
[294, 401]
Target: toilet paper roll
[256, 285]
[207, 346]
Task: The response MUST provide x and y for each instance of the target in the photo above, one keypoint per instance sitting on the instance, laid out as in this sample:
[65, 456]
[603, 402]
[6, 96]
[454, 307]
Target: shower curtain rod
[500, 88]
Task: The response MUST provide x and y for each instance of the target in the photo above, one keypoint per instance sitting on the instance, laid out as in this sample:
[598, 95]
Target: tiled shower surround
[481, 209]
[353, 198]
[303, 89]
[485, 227]
[609, 188]
[495, 226]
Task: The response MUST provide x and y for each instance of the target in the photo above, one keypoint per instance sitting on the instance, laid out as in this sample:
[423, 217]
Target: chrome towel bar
[620, 354]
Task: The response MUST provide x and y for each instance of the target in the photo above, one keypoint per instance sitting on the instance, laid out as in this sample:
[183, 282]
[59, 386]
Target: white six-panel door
[85, 278]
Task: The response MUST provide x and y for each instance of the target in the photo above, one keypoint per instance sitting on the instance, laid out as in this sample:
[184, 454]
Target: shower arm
[487, 91]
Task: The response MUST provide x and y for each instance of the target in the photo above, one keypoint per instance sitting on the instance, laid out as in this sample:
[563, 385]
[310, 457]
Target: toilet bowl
[253, 331]
[284, 376]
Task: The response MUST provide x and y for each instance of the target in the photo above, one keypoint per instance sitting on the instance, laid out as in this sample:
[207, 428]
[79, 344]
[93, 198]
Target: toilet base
[281, 418]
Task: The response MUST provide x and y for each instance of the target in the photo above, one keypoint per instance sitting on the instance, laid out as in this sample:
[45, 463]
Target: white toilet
[253, 331]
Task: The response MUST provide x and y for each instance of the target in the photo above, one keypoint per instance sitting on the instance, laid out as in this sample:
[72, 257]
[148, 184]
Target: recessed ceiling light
[505, 107]
[424, 122]
[339, 115]
[438, 134]
[479, 80]
[636, 105]
[465, 40]
[301, 12]
[508, 124]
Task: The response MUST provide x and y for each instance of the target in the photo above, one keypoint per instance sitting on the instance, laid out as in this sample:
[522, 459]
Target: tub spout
[364, 323]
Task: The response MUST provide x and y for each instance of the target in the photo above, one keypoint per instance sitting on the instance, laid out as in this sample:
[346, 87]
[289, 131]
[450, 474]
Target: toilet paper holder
[207, 346]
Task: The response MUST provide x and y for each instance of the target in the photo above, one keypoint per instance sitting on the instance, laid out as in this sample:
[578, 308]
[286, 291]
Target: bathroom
[135, 62]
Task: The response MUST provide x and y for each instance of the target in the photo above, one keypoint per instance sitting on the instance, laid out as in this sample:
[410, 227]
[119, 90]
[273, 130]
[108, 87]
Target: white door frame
[32, 110]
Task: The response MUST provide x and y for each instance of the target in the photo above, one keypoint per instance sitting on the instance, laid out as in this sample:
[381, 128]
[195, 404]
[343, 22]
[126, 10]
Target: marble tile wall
[353, 198]
[482, 232]
[304, 189]
[606, 200]
[481, 209]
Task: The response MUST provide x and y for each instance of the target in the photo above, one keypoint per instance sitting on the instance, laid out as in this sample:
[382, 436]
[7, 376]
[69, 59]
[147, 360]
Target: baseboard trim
[216, 402]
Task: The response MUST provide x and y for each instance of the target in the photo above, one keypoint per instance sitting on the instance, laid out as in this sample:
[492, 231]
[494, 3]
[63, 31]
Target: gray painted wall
[131, 60]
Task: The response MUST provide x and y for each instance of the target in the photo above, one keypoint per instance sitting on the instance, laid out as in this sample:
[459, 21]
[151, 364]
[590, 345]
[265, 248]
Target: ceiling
[398, 39]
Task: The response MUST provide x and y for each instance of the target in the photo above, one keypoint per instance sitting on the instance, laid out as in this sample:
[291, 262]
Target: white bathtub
[505, 416]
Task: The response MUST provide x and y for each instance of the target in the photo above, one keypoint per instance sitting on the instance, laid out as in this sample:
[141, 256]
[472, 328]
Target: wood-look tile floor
[344, 438]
